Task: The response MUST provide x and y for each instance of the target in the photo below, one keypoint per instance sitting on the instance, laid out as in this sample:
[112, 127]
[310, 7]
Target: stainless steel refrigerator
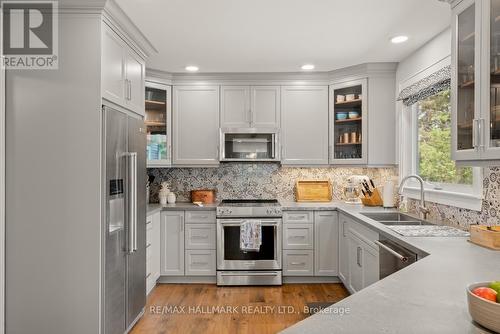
[124, 168]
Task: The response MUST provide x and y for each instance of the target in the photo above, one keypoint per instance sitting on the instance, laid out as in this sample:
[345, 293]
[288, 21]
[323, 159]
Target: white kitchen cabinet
[474, 82]
[363, 261]
[250, 106]
[123, 72]
[200, 262]
[153, 262]
[326, 243]
[304, 125]
[195, 125]
[235, 106]
[298, 263]
[343, 249]
[158, 121]
[172, 243]
[298, 236]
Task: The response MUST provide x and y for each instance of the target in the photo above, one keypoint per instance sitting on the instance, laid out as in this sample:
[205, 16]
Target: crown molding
[275, 78]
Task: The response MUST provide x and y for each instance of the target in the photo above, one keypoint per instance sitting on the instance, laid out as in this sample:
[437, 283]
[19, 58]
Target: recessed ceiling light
[192, 68]
[399, 39]
[308, 67]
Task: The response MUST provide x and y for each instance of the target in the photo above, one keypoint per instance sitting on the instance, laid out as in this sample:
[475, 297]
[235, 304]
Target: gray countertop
[426, 297]
[153, 208]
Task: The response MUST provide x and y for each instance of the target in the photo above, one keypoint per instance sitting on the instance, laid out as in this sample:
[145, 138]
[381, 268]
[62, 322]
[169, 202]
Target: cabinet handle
[198, 237]
[358, 256]
[129, 90]
[297, 263]
[148, 245]
[325, 215]
[298, 237]
[480, 132]
[147, 276]
[199, 263]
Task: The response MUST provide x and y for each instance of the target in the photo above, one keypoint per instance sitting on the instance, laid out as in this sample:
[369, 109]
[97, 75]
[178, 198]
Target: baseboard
[311, 279]
[188, 279]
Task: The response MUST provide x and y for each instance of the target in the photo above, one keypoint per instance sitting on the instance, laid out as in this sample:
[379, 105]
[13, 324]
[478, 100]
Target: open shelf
[347, 144]
[347, 120]
[162, 103]
[467, 84]
[348, 103]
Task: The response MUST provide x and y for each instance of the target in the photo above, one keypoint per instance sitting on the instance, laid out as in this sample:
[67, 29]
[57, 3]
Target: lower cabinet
[172, 243]
[152, 251]
[362, 257]
[310, 243]
[188, 243]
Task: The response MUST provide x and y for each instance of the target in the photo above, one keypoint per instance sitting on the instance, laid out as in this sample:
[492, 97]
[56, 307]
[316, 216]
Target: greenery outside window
[428, 138]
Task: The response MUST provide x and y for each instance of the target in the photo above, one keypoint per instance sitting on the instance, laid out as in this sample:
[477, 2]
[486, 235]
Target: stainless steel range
[236, 266]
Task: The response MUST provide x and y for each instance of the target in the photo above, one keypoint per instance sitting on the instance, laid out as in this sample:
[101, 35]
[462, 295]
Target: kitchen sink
[395, 218]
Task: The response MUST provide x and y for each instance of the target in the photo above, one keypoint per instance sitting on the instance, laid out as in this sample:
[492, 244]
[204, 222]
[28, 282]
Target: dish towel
[250, 235]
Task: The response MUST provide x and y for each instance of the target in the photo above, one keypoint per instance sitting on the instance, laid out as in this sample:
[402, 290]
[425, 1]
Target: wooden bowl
[484, 312]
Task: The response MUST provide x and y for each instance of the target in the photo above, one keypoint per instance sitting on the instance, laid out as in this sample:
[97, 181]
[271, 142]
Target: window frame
[462, 196]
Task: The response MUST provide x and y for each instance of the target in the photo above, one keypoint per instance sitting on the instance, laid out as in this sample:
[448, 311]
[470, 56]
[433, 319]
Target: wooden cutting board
[313, 191]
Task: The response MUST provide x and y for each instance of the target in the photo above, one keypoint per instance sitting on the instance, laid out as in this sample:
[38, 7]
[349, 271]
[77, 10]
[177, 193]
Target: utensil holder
[372, 200]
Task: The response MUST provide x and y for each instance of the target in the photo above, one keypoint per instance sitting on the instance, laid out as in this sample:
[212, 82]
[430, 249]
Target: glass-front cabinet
[348, 117]
[158, 124]
[476, 81]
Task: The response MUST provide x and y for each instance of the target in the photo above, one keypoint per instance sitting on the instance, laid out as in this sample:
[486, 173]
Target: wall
[418, 65]
[257, 180]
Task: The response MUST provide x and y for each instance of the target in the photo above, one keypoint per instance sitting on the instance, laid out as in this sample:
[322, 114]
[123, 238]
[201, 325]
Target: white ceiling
[282, 35]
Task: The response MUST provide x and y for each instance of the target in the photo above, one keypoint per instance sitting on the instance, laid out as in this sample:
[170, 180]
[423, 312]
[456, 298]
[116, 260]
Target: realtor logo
[29, 34]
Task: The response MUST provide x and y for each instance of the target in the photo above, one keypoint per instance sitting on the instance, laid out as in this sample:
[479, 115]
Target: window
[426, 136]
[434, 163]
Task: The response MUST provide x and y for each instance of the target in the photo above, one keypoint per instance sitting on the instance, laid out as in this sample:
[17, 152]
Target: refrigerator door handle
[132, 205]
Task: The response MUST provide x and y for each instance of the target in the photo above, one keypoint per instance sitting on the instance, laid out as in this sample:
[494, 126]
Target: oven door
[231, 257]
[249, 144]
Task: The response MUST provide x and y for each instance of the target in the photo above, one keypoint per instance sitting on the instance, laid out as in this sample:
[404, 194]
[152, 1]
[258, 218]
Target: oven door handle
[249, 274]
[402, 258]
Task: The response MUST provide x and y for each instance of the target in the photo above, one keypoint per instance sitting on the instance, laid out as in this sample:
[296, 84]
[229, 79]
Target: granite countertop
[426, 297]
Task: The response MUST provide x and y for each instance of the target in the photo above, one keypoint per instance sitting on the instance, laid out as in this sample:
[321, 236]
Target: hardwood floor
[205, 308]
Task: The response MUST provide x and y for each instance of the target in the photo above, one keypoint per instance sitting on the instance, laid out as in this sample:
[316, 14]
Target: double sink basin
[396, 219]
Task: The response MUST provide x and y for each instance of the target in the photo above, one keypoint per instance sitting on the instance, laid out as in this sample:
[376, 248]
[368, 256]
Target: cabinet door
[200, 236]
[465, 81]
[196, 125]
[235, 106]
[265, 106]
[158, 123]
[134, 74]
[355, 263]
[156, 247]
[172, 243]
[371, 266]
[343, 250]
[326, 243]
[304, 124]
[298, 236]
[349, 119]
[491, 92]
[113, 69]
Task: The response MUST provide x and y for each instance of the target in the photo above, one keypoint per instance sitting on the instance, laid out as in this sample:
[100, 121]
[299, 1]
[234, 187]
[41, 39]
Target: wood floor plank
[192, 308]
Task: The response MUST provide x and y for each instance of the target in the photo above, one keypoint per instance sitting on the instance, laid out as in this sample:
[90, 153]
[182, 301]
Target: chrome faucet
[422, 209]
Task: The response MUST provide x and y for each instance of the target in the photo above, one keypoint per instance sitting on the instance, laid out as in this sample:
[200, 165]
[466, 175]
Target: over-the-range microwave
[249, 144]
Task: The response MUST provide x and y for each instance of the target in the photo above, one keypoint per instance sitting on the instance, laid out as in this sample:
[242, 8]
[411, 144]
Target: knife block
[373, 200]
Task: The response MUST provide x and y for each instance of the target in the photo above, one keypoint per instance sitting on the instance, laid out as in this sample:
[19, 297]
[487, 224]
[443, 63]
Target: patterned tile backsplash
[269, 180]
[453, 216]
[259, 180]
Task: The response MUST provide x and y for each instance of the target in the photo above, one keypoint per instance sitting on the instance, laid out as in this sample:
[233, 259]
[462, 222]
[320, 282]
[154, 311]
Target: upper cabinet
[158, 124]
[195, 125]
[304, 125]
[250, 106]
[348, 123]
[123, 72]
[476, 81]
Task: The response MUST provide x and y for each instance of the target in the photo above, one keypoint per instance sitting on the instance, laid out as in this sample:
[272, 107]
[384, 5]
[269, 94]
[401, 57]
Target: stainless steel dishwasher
[393, 257]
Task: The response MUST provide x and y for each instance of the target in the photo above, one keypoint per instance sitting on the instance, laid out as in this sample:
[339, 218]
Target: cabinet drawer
[298, 236]
[200, 263]
[200, 217]
[298, 263]
[200, 236]
[298, 217]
